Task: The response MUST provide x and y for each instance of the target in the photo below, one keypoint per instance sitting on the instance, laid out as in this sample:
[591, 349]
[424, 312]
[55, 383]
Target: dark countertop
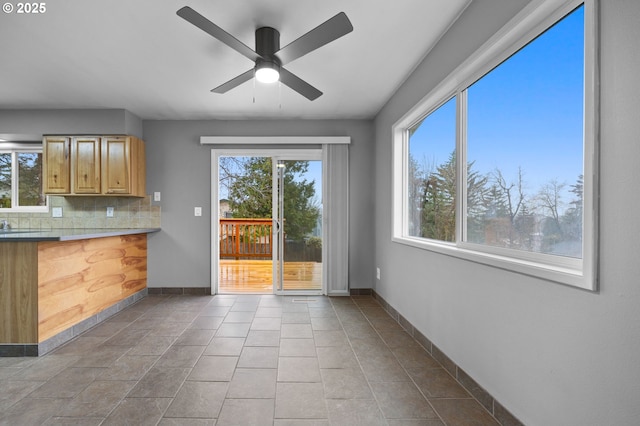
[68, 234]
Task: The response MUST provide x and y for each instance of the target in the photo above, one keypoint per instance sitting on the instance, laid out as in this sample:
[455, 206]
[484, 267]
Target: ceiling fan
[269, 58]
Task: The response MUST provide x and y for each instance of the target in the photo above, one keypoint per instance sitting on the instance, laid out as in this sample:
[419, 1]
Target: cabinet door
[56, 165]
[116, 165]
[86, 165]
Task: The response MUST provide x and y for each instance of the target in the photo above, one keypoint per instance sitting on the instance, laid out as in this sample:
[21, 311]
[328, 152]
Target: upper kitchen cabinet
[123, 166]
[96, 165]
[56, 165]
[85, 154]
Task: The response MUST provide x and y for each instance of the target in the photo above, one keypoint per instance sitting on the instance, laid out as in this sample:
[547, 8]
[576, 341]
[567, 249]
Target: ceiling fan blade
[324, 33]
[299, 85]
[212, 29]
[234, 82]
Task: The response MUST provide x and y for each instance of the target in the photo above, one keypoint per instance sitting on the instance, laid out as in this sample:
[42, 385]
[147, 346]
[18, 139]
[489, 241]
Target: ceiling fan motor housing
[267, 44]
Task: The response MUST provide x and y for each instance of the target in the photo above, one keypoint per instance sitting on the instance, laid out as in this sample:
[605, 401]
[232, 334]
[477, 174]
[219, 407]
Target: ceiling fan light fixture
[267, 72]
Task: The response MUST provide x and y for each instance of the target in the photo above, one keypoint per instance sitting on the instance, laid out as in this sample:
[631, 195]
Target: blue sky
[527, 112]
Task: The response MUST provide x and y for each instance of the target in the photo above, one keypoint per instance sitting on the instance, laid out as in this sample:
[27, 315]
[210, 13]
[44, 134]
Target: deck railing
[246, 238]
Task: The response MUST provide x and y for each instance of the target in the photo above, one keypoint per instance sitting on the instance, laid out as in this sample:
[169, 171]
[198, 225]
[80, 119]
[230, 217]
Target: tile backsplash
[90, 212]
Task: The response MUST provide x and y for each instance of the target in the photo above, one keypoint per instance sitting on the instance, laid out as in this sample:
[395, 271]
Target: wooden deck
[255, 276]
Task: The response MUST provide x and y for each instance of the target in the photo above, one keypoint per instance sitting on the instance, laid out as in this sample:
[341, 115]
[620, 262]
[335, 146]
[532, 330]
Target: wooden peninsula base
[51, 291]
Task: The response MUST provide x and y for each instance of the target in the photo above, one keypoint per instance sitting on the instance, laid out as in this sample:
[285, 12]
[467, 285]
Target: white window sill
[571, 273]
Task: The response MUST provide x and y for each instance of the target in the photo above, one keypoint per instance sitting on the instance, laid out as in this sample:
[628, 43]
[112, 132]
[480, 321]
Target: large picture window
[21, 178]
[501, 167]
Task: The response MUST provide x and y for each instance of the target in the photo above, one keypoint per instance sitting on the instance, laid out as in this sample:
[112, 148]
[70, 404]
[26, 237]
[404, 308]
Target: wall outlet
[109, 211]
[156, 196]
[378, 273]
[56, 212]
[197, 211]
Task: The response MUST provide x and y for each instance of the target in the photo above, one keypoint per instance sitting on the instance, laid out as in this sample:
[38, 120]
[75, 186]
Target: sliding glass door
[298, 218]
[267, 223]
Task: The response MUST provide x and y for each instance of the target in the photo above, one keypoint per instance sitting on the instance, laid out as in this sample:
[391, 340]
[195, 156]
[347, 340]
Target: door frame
[275, 154]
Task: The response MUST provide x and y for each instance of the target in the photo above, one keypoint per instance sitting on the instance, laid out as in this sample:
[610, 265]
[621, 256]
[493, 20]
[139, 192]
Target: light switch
[109, 211]
[156, 196]
[197, 211]
[56, 212]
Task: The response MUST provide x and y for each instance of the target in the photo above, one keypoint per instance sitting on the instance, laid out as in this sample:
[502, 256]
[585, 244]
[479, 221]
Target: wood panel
[256, 276]
[18, 292]
[78, 279]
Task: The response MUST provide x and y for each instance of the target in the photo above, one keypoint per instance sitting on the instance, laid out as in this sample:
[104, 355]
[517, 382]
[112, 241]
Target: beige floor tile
[98, 399]
[296, 331]
[268, 312]
[336, 357]
[198, 399]
[382, 368]
[239, 316]
[168, 328]
[138, 411]
[298, 369]
[297, 347]
[437, 383]
[330, 338]
[296, 318]
[67, 384]
[258, 357]
[266, 324]
[346, 383]
[354, 412]
[195, 337]
[415, 357]
[249, 412]
[182, 421]
[402, 400]
[231, 346]
[180, 356]
[73, 421]
[46, 367]
[414, 422]
[160, 382]
[128, 367]
[214, 369]
[253, 383]
[325, 324]
[206, 322]
[241, 306]
[263, 338]
[300, 401]
[233, 330]
[152, 345]
[31, 411]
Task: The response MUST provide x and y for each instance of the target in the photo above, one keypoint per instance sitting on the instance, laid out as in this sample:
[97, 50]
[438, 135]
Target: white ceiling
[140, 56]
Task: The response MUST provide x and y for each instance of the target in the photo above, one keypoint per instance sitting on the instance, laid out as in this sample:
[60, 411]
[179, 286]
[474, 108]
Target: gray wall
[553, 355]
[32, 124]
[180, 168]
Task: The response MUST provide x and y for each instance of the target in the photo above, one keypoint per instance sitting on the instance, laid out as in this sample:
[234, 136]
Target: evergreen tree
[250, 194]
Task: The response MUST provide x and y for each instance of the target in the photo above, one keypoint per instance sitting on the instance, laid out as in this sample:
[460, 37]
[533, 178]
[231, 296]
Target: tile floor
[238, 360]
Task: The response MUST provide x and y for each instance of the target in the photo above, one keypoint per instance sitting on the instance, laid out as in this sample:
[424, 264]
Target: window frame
[533, 20]
[14, 149]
